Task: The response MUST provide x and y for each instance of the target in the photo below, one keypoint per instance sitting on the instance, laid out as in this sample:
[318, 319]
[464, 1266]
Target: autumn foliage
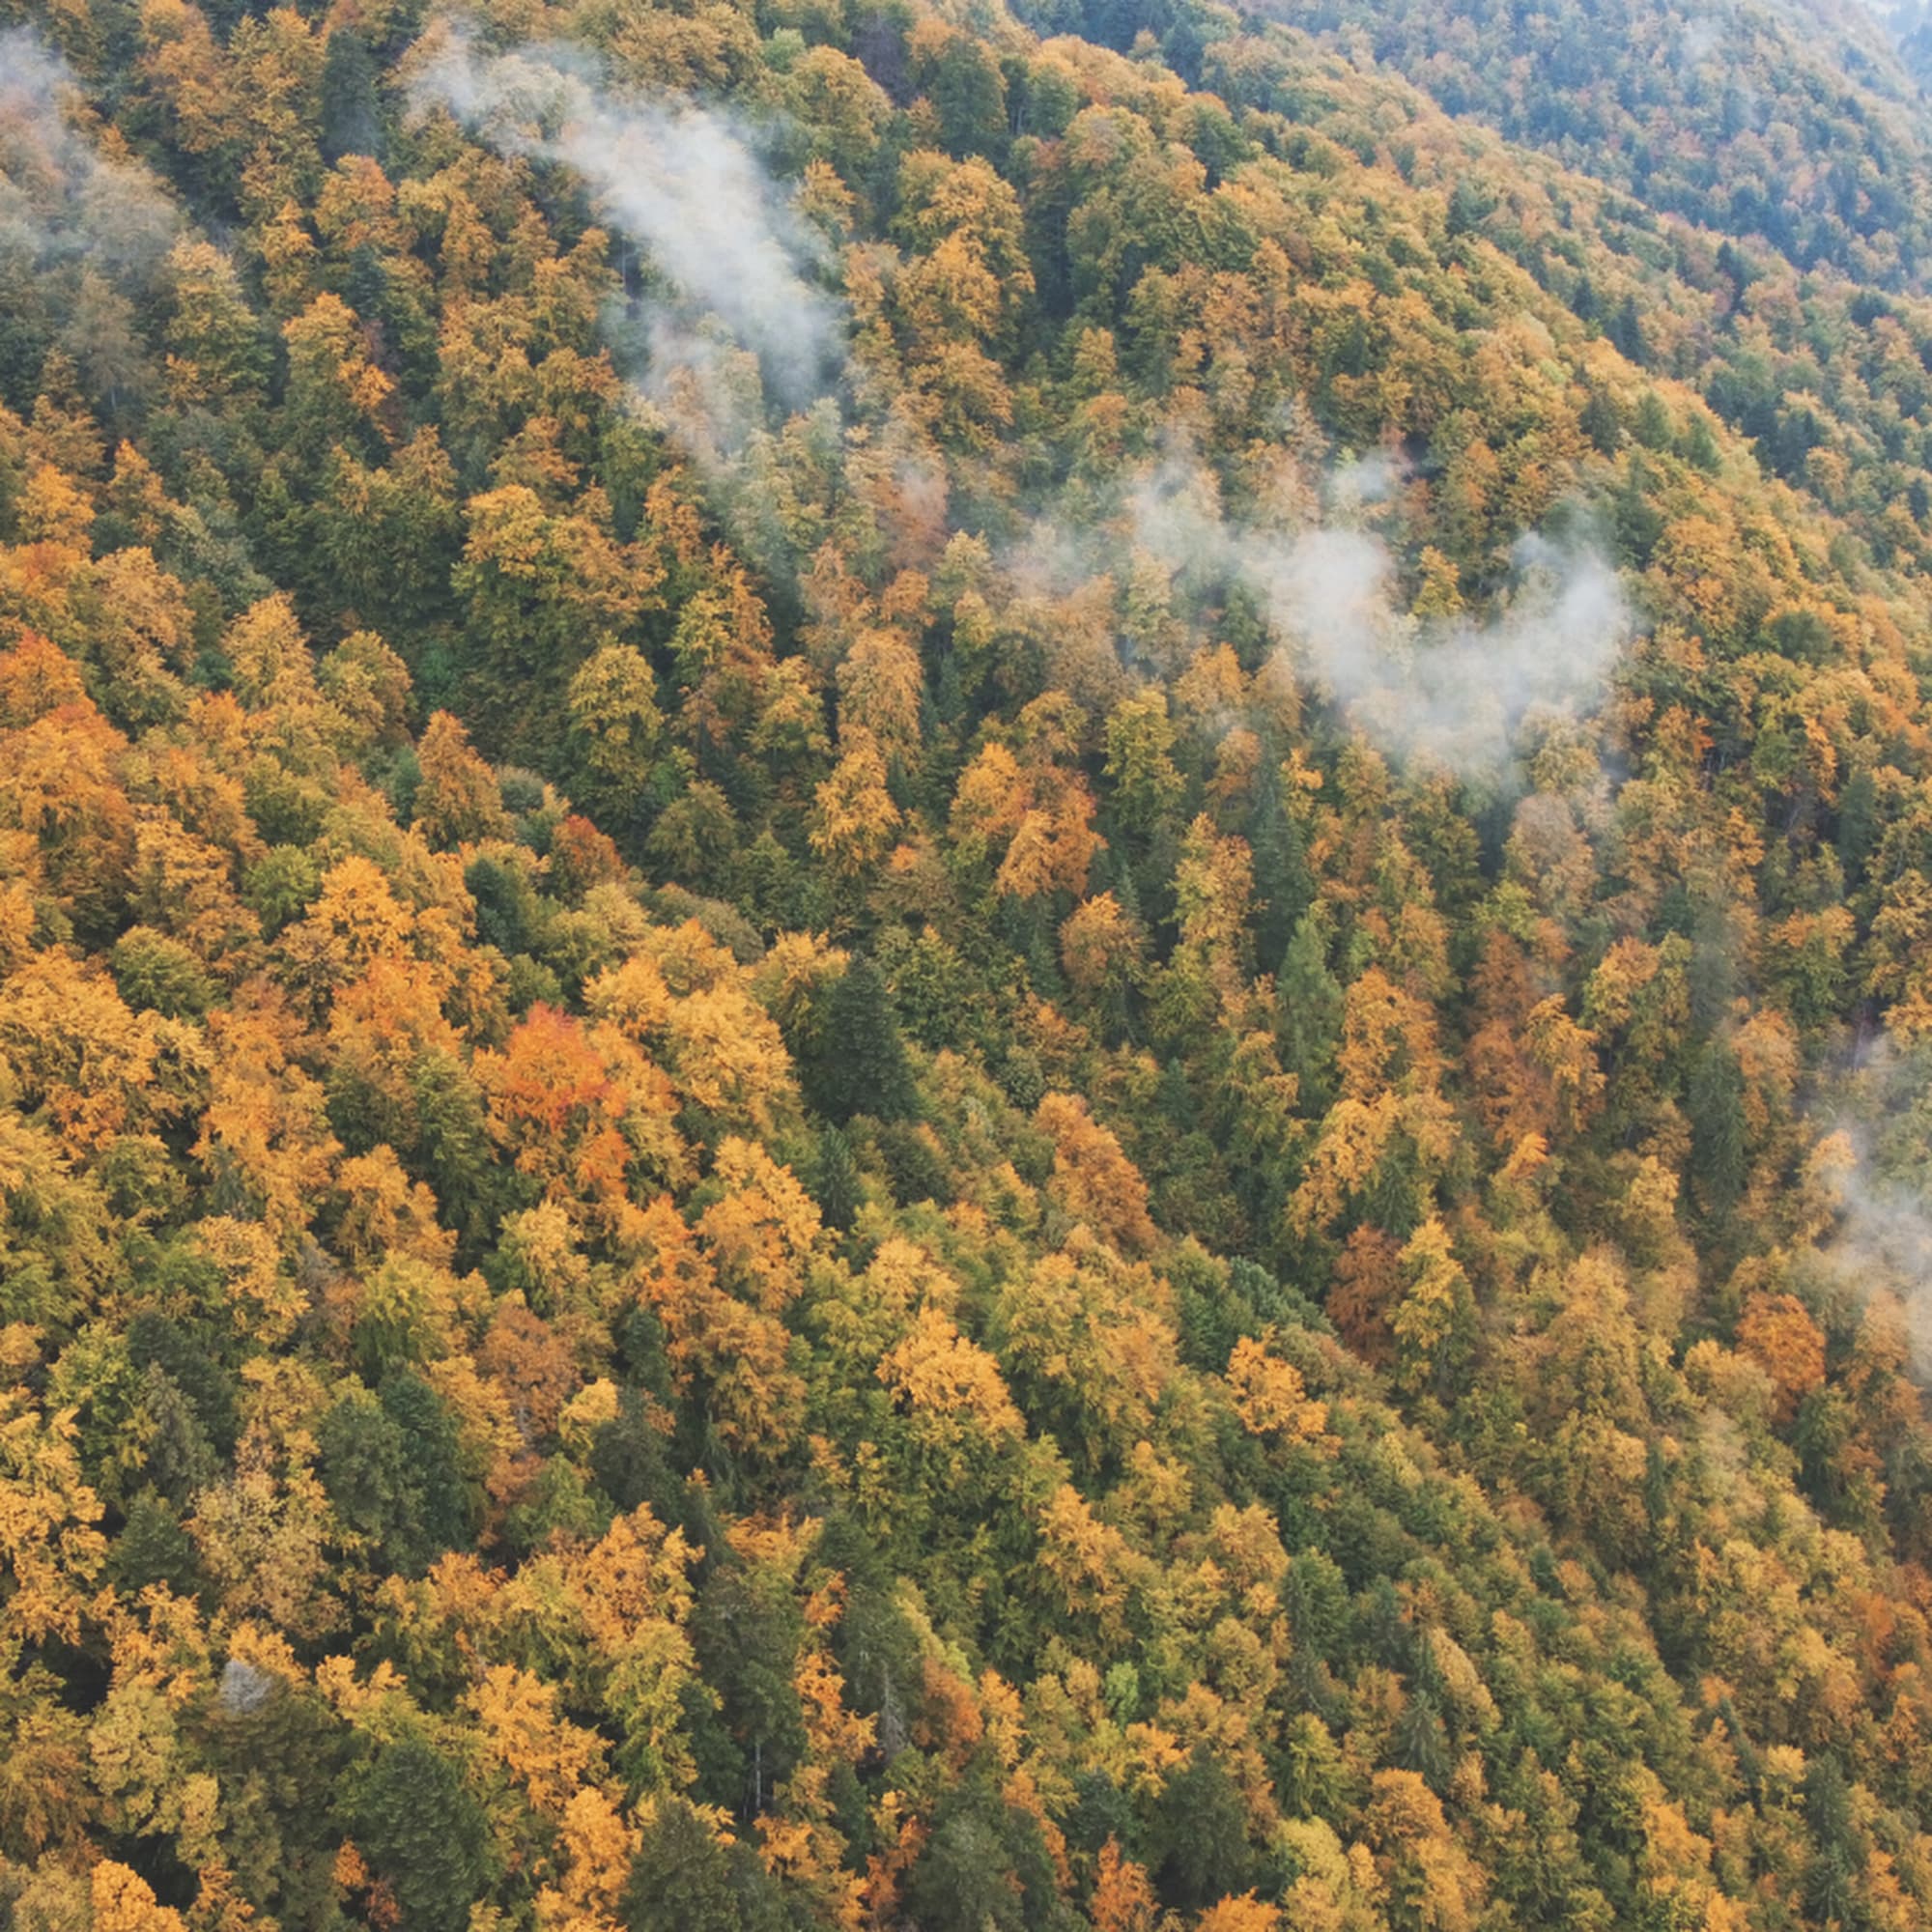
[768, 1157]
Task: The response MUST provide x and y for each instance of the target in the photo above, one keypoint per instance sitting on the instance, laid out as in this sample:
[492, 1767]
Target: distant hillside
[1797, 125]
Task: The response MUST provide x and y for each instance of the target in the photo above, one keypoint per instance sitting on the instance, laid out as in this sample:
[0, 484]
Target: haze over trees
[962, 967]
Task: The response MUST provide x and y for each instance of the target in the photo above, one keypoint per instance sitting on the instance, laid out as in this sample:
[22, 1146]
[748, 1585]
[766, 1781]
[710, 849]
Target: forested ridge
[961, 969]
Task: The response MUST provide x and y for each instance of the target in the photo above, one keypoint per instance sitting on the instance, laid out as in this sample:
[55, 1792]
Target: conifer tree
[856, 1061]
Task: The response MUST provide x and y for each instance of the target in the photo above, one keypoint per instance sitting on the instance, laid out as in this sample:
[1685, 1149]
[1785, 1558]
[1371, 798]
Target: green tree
[685, 1879]
[855, 1062]
[985, 1865]
[1198, 1837]
[421, 1831]
[350, 113]
[1717, 1109]
[1308, 1009]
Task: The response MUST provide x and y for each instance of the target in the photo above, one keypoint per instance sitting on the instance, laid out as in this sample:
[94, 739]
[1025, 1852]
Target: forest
[965, 967]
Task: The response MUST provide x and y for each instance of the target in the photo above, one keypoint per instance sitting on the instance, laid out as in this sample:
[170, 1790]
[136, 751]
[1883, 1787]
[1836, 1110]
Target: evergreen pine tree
[153, 1548]
[351, 116]
[1857, 824]
[1600, 422]
[985, 1866]
[680, 1879]
[1200, 1834]
[835, 1180]
[1716, 1107]
[421, 1831]
[1626, 331]
[1308, 1009]
[445, 1506]
[857, 1063]
[1283, 884]
[1421, 1743]
[1830, 1877]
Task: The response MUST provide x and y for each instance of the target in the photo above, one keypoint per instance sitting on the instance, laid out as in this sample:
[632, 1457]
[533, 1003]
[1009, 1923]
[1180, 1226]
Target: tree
[1432, 1304]
[1093, 1177]
[336, 393]
[680, 1876]
[1777, 1333]
[1433, 1884]
[125, 1902]
[985, 1864]
[687, 1878]
[617, 729]
[47, 1524]
[854, 1060]
[1308, 1003]
[1830, 1876]
[77, 1050]
[1626, 331]
[420, 1829]
[835, 1180]
[855, 820]
[1270, 1397]
[879, 691]
[1102, 949]
[350, 118]
[457, 802]
[370, 684]
[1718, 1125]
[217, 343]
[960, 1414]
[1197, 1835]
[1147, 789]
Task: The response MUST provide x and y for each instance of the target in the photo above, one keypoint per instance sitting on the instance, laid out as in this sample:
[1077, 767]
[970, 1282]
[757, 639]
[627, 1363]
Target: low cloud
[686, 183]
[62, 200]
[1884, 1245]
[1450, 691]
[1878, 1180]
[1454, 691]
[742, 317]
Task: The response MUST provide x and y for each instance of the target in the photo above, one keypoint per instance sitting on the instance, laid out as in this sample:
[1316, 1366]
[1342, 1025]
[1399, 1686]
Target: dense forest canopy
[963, 968]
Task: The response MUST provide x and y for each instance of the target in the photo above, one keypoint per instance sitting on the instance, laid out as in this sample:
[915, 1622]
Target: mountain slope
[1798, 127]
[942, 983]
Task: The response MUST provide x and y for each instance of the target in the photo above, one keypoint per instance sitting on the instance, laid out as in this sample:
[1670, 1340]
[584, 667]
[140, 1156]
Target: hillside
[1759, 264]
[1797, 125]
[950, 978]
